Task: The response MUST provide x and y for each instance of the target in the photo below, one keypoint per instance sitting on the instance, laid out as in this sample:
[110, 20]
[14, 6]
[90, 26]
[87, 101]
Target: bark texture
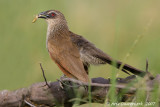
[67, 91]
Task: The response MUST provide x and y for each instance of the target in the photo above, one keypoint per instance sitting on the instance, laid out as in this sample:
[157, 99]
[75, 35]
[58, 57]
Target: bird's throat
[55, 32]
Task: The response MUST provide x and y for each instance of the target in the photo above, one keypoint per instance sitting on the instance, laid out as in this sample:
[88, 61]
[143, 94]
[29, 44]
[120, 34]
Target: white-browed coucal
[71, 52]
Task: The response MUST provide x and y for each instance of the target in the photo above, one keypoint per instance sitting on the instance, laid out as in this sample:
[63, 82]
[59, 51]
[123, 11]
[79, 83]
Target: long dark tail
[129, 68]
[125, 67]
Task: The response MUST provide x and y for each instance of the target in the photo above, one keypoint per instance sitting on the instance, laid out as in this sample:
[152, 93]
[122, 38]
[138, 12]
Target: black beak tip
[42, 15]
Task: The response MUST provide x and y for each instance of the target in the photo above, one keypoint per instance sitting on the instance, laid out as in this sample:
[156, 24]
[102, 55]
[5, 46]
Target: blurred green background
[112, 25]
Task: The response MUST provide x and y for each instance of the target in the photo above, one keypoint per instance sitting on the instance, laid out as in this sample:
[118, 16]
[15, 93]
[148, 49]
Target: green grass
[112, 26]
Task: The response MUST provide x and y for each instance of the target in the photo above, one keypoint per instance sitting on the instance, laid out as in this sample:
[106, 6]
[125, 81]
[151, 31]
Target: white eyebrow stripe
[52, 12]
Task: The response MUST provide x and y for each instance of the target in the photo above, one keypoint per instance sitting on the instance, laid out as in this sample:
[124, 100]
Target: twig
[29, 103]
[44, 76]
[120, 86]
[146, 65]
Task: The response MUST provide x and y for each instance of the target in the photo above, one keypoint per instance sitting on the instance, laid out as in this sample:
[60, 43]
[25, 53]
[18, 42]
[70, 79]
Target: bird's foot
[62, 77]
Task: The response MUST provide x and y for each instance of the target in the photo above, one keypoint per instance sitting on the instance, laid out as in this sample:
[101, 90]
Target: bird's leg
[63, 76]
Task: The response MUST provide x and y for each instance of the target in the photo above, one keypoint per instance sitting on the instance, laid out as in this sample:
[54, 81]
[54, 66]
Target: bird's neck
[57, 30]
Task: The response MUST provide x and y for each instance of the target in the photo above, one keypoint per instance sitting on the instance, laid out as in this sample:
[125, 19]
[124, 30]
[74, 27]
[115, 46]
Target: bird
[72, 52]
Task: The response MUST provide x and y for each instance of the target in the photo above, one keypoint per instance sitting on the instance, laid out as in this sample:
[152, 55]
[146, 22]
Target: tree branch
[64, 92]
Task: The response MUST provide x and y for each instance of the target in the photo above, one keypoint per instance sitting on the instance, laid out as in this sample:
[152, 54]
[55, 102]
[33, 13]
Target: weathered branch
[64, 92]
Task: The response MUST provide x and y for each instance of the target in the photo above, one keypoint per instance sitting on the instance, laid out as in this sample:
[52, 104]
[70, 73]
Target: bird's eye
[52, 14]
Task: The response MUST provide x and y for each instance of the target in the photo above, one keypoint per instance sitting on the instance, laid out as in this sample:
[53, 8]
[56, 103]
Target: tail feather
[125, 67]
[131, 69]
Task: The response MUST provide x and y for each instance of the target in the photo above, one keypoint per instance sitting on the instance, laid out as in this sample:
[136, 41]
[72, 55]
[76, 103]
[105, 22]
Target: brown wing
[93, 55]
[67, 57]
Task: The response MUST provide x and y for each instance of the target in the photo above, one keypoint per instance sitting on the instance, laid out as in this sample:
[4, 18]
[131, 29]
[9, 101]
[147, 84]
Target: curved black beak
[42, 15]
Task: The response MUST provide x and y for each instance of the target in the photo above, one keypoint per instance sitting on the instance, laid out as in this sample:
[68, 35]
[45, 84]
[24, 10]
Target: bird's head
[53, 17]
